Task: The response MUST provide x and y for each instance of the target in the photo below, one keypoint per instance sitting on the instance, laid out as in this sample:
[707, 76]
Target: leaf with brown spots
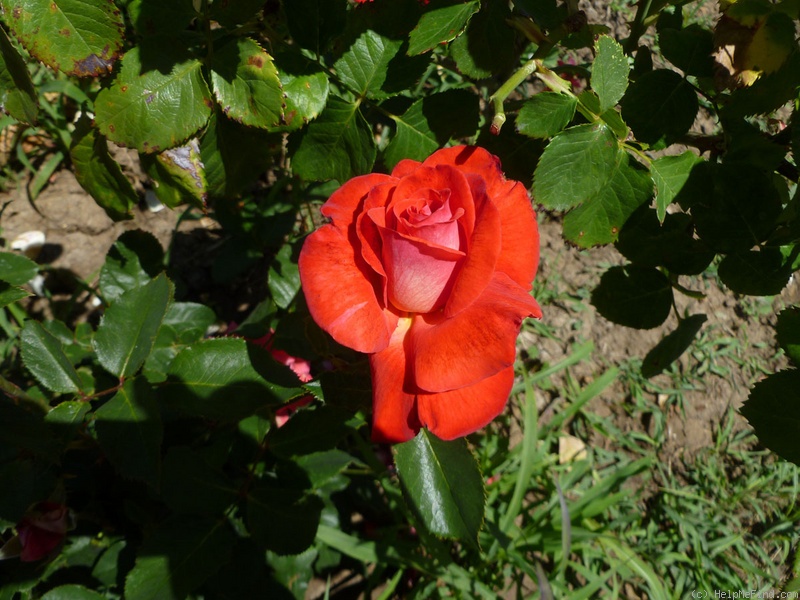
[77, 37]
[246, 85]
[153, 111]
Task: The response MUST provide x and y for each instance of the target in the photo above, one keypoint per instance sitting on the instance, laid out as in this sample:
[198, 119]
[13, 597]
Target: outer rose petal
[405, 167]
[394, 410]
[479, 266]
[476, 343]
[340, 297]
[344, 202]
[456, 413]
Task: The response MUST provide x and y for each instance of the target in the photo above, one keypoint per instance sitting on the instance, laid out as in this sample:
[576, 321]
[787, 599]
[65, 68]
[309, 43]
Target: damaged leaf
[88, 38]
[179, 174]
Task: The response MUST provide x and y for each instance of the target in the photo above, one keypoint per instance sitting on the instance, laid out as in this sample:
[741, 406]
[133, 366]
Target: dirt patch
[735, 344]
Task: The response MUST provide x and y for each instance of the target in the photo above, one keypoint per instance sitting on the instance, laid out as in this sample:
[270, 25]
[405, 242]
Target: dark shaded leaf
[314, 23]
[788, 332]
[637, 297]
[310, 431]
[689, 49]
[755, 272]
[773, 409]
[660, 106]
[191, 485]
[178, 557]
[284, 276]
[487, 47]
[129, 430]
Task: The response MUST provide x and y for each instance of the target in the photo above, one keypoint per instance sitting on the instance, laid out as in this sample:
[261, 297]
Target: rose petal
[519, 254]
[477, 269]
[405, 167]
[394, 411]
[441, 178]
[457, 413]
[419, 273]
[478, 342]
[340, 294]
[344, 202]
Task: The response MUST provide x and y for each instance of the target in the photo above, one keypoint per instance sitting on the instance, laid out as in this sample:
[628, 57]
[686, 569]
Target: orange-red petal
[340, 293]
[343, 204]
[394, 409]
[457, 413]
[478, 342]
[479, 265]
[405, 167]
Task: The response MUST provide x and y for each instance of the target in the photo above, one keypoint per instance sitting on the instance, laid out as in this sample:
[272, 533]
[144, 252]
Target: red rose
[43, 529]
[428, 270]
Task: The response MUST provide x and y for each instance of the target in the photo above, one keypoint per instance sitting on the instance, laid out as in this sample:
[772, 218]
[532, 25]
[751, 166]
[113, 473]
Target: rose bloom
[428, 270]
[42, 529]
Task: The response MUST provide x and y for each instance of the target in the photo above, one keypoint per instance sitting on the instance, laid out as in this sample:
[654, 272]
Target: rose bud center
[422, 247]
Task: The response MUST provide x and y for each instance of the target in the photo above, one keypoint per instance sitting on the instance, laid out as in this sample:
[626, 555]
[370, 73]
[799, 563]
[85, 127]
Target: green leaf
[638, 297]
[10, 294]
[773, 409]
[314, 23]
[305, 89]
[728, 219]
[77, 37]
[441, 25]
[600, 218]
[670, 173]
[487, 47]
[191, 485]
[134, 259]
[16, 269]
[233, 155]
[321, 467]
[185, 323]
[443, 485]
[672, 346]
[72, 592]
[375, 67]
[788, 332]
[609, 72]
[138, 110]
[17, 94]
[576, 166]
[129, 327]
[178, 557]
[755, 273]
[228, 379]
[44, 356]
[689, 49]
[98, 173]
[284, 276]
[338, 145]
[65, 420]
[671, 244]
[281, 515]
[660, 106]
[310, 431]
[430, 123]
[245, 83]
[129, 430]
[546, 114]
[179, 175]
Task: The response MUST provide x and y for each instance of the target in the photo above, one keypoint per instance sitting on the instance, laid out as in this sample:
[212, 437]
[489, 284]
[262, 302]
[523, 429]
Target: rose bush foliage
[428, 270]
